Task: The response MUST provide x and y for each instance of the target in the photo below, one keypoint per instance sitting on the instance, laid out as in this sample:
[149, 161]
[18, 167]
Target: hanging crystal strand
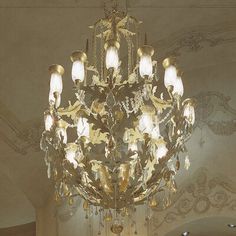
[94, 47]
[57, 222]
[100, 222]
[91, 221]
[102, 52]
[156, 75]
[147, 216]
[86, 72]
[137, 40]
[129, 43]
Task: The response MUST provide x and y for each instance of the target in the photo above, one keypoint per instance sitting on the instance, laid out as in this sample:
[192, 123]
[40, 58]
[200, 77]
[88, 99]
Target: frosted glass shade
[146, 124]
[56, 83]
[178, 87]
[82, 127]
[145, 66]
[161, 151]
[189, 113]
[78, 72]
[48, 122]
[170, 76]
[112, 58]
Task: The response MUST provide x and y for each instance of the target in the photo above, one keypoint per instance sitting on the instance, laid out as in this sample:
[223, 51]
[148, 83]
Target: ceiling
[35, 34]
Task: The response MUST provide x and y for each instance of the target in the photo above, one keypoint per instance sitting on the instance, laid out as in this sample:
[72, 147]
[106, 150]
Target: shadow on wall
[20, 230]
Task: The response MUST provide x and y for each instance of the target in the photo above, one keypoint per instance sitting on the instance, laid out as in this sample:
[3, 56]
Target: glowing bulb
[56, 83]
[48, 121]
[146, 124]
[170, 76]
[112, 59]
[78, 72]
[178, 87]
[145, 66]
[189, 113]
[82, 127]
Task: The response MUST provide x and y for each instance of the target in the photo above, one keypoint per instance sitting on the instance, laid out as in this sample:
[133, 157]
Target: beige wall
[46, 221]
[22, 230]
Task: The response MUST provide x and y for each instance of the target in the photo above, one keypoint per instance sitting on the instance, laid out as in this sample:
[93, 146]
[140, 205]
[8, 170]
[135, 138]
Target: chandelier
[116, 144]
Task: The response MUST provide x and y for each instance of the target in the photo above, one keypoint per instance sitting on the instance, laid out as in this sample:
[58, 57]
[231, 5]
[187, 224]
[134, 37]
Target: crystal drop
[187, 163]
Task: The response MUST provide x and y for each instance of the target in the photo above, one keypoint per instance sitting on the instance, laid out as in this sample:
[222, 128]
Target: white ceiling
[35, 34]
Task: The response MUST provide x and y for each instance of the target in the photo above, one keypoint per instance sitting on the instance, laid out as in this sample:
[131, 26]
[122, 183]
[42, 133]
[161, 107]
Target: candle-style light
[79, 59]
[56, 84]
[112, 57]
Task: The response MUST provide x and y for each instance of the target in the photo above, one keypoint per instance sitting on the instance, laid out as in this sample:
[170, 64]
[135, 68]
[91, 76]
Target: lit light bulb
[146, 123]
[170, 76]
[189, 113]
[112, 58]
[56, 83]
[145, 66]
[48, 121]
[78, 72]
[82, 127]
[71, 150]
[161, 150]
[178, 87]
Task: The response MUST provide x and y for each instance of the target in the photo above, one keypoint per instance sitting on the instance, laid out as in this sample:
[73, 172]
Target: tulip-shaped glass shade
[48, 122]
[178, 87]
[56, 83]
[145, 66]
[189, 113]
[112, 58]
[146, 123]
[161, 150]
[170, 76]
[78, 72]
[83, 127]
[71, 150]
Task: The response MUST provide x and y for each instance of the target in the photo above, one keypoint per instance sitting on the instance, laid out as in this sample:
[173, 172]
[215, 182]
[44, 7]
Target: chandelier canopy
[116, 145]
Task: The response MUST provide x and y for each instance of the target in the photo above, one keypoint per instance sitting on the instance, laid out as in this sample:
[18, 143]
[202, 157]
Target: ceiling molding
[213, 110]
[18, 136]
[203, 196]
[196, 38]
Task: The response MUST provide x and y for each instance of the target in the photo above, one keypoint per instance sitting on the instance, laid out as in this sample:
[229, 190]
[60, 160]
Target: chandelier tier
[116, 145]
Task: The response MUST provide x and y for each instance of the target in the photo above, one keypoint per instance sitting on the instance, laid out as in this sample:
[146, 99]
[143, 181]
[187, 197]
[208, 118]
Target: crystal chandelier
[116, 145]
